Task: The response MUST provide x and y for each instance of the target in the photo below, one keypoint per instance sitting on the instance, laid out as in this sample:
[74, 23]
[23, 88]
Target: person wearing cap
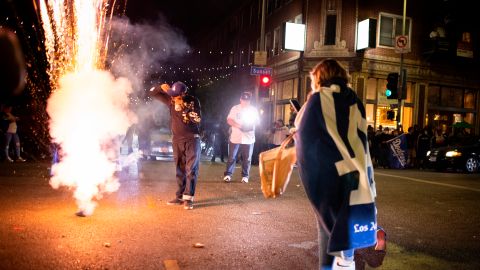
[185, 124]
[242, 118]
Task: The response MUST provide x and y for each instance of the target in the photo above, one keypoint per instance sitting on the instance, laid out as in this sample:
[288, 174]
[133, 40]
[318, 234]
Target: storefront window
[451, 97]
[372, 88]
[369, 109]
[433, 95]
[287, 89]
[383, 119]
[407, 118]
[410, 93]
[279, 90]
[470, 99]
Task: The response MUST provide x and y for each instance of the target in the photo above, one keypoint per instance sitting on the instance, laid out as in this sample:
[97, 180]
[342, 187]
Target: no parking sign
[401, 44]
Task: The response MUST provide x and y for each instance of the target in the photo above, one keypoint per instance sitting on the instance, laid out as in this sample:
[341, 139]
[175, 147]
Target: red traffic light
[265, 80]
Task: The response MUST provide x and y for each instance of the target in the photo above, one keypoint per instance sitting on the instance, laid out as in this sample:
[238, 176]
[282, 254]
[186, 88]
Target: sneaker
[20, 159]
[341, 264]
[175, 201]
[188, 205]
[227, 178]
[9, 159]
[244, 179]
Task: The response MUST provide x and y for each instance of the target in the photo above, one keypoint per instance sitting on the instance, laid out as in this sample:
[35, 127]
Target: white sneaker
[341, 264]
[9, 159]
[227, 178]
[244, 179]
[20, 159]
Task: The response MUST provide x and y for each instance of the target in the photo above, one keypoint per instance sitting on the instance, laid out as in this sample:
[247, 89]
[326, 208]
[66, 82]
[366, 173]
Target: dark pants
[187, 159]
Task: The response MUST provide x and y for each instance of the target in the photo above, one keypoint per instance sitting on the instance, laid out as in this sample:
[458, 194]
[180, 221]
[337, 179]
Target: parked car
[161, 147]
[463, 155]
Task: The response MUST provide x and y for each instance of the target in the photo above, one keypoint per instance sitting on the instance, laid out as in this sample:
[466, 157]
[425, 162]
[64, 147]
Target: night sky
[192, 17]
[164, 45]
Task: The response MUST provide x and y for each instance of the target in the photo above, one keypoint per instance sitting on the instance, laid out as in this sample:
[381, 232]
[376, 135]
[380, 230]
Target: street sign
[260, 71]
[260, 58]
[401, 44]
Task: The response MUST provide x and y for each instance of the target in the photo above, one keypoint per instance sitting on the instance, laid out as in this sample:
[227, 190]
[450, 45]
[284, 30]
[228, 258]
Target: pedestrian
[411, 147]
[217, 141]
[9, 121]
[128, 138]
[280, 133]
[335, 166]
[423, 146]
[242, 118]
[185, 124]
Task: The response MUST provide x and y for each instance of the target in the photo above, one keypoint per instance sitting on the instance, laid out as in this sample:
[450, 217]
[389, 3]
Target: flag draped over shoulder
[335, 166]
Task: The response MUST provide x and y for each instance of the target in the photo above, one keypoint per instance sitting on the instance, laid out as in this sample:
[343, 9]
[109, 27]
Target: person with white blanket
[335, 166]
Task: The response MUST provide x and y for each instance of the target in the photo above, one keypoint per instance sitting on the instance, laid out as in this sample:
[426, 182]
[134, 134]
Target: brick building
[442, 61]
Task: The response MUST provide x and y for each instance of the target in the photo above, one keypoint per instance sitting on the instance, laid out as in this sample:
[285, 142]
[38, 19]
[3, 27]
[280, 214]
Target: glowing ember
[88, 108]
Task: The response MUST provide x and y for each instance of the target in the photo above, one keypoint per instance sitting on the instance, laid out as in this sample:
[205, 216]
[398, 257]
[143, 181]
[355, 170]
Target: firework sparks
[89, 107]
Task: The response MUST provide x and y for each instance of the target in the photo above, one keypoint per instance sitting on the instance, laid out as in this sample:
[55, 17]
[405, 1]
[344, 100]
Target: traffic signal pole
[401, 86]
[262, 47]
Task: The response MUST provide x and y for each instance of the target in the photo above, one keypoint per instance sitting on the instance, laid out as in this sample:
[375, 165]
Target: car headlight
[428, 153]
[453, 154]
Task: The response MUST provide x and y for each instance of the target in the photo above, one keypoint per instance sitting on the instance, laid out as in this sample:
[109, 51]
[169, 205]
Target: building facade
[441, 56]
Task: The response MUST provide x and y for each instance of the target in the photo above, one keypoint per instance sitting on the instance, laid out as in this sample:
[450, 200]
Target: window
[331, 23]
[369, 109]
[391, 26]
[287, 92]
[298, 19]
[470, 99]
[330, 29]
[371, 89]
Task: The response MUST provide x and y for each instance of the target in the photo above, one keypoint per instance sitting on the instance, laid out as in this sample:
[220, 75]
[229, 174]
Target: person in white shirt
[280, 132]
[10, 121]
[242, 119]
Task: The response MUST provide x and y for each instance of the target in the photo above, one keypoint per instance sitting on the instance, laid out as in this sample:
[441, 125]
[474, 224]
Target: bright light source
[453, 154]
[366, 34]
[294, 38]
[388, 93]
[265, 80]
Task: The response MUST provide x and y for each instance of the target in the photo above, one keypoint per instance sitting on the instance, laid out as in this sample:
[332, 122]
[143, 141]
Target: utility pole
[262, 47]
[403, 74]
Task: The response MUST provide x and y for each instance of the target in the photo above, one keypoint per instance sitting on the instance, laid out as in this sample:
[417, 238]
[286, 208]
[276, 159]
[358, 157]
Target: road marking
[304, 245]
[428, 182]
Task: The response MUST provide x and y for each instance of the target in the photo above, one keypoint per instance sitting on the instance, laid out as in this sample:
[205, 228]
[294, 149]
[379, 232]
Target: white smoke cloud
[139, 51]
[87, 114]
[91, 110]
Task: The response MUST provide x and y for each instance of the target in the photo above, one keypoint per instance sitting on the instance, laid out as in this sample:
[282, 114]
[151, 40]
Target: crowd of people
[419, 142]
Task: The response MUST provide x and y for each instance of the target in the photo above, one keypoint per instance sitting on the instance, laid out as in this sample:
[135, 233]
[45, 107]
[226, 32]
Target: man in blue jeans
[242, 119]
[185, 124]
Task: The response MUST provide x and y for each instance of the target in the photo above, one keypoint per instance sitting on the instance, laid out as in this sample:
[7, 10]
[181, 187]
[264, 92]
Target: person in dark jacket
[335, 166]
[185, 124]
[423, 146]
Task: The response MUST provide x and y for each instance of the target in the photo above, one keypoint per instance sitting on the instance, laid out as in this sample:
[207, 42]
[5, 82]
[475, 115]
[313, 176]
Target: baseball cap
[246, 96]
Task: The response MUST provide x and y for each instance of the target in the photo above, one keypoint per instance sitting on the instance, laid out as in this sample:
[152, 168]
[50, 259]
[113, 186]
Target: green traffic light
[388, 92]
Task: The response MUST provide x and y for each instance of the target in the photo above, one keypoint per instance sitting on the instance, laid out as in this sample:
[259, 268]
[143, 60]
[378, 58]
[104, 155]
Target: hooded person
[185, 116]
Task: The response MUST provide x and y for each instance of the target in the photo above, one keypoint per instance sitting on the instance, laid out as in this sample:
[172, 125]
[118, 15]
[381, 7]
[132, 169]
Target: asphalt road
[431, 220]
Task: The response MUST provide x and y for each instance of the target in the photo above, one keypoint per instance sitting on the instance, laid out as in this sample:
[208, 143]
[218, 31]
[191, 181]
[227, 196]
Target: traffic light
[264, 87]
[392, 86]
